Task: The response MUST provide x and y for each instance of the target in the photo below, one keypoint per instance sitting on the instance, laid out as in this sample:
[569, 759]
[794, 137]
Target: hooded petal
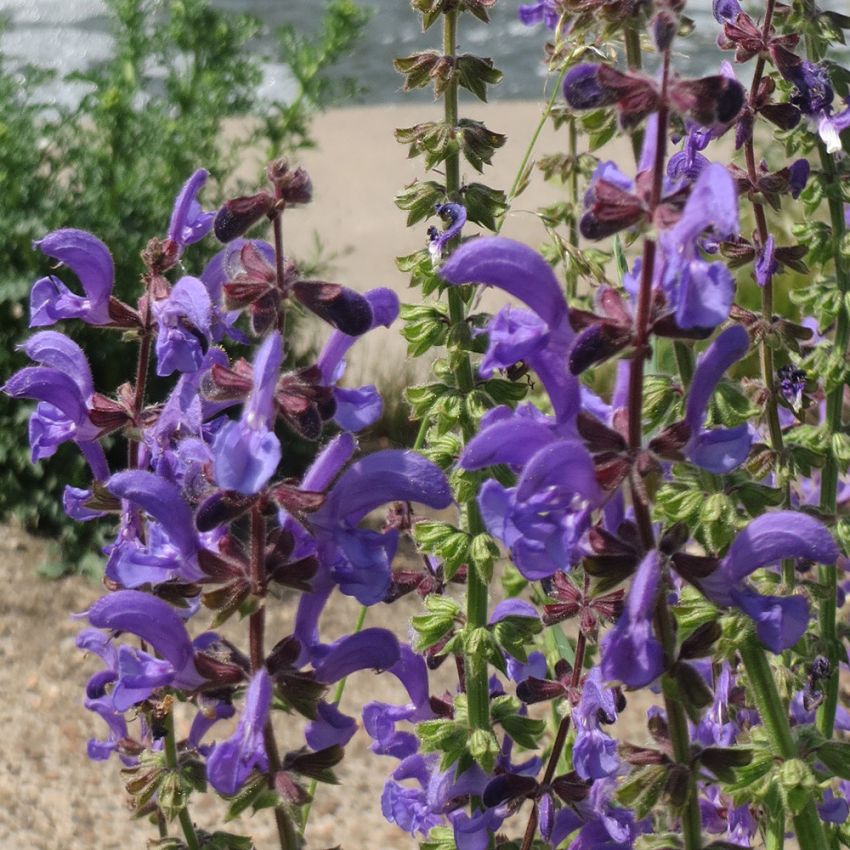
[774, 536]
[384, 305]
[89, 259]
[385, 476]
[147, 617]
[189, 223]
[52, 386]
[162, 500]
[564, 466]
[371, 648]
[266, 369]
[630, 651]
[184, 327]
[513, 441]
[517, 269]
[729, 347]
[57, 351]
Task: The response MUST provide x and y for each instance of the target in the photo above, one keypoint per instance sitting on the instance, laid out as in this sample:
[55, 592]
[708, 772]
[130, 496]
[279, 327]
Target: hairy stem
[768, 370]
[142, 368]
[807, 824]
[171, 760]
[477, 690]
[827, 574]
[676, 717]
[287, 835]
[560, 740]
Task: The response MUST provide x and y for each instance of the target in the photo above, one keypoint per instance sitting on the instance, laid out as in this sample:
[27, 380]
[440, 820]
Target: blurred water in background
[71, 35]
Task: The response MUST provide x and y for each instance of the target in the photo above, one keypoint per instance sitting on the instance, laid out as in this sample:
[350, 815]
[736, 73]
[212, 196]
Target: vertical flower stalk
[475, 667]
[768, 370]
[834, 408]
[677, 719]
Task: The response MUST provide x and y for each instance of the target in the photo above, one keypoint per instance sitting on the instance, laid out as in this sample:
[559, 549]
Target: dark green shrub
[113, 164]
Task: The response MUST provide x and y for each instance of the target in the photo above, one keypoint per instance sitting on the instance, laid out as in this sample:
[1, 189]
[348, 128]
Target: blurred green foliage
[113, 163]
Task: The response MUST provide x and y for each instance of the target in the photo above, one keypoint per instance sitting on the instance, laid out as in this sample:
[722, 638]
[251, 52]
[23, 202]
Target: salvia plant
[657, 447]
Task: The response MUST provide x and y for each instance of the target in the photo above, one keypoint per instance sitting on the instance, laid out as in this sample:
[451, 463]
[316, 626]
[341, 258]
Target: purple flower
[524, 274]
[89, 259]
[246, 453]
[798, 176]
[232, 761]
[780, 621]
[726, 10]
[375, 648]
[830, 127]
[542, 518]
[455, 214]
[184, 321]
[718, 449]
[170, 548]
[701, 293]
[331, 727]
[814, 93]
[189, 223]
[630, 651]
[792, 382]
[359, 559]
[688, 163]
[63, 387]
[380, 719]
[766, 265]
[833, 809]
[584, 90]
[594, 752]
[356, 408]
[543, 10]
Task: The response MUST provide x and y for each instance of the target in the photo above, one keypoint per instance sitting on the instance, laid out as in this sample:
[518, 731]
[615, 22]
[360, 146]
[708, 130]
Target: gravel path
[54, 798]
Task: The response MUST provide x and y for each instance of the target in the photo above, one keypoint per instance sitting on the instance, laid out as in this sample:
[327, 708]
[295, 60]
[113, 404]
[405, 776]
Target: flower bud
[343, 308]
[238, 215]
[293, 185]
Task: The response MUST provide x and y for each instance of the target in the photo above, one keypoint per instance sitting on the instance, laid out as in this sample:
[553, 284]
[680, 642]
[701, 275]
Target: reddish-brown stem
[277, 227]
[676, 718]
[256, 626]
[560, 740]
[142, 367]
[257, 622]
[765, 351]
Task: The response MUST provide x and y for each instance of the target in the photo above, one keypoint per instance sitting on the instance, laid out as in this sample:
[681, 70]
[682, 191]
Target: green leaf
[476, 73]
[836, 756]
[418, 200]
[483, 552]
[643, 788]
[484, 748]
[443, 736]
[483, 204]
[526, 731]
[244, 798]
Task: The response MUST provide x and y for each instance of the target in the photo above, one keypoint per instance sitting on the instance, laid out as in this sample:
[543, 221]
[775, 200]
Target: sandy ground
[53, 798]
